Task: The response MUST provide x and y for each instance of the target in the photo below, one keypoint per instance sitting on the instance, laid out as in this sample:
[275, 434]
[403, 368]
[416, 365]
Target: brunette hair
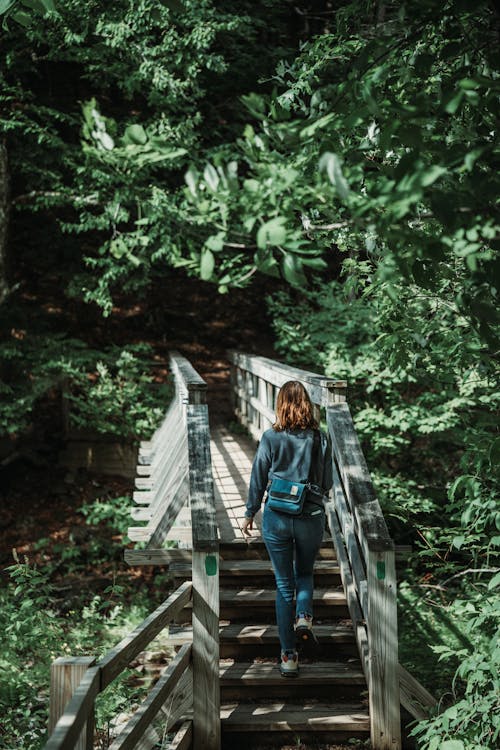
[294, 410]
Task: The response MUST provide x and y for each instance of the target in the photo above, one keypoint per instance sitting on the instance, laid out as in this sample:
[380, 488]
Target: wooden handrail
[322, 390]
[187, 379]
[70, 724]
[191, 389]
[373, 572]
[356, 481]
[142, 718]
[115, 660]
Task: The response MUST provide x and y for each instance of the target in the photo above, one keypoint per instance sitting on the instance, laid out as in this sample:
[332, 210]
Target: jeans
[292, 544]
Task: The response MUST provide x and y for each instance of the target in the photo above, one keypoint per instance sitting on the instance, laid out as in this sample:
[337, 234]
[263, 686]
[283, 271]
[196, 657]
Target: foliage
[40, 621]
[426, 428]
[110, 391]
[472, 721]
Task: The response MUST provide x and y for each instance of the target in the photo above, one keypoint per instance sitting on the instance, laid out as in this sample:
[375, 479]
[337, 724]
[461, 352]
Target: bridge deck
[232, 456]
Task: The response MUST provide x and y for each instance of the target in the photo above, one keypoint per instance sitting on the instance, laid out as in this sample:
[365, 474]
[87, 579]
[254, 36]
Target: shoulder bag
[289, 497]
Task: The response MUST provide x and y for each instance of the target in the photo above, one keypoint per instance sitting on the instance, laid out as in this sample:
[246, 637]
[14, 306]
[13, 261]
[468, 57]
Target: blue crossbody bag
[289, 497]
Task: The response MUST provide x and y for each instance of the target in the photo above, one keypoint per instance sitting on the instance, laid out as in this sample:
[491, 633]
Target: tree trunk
[4, 221]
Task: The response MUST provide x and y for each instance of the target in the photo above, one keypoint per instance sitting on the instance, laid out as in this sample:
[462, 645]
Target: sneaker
[307, 643]
[289, 664]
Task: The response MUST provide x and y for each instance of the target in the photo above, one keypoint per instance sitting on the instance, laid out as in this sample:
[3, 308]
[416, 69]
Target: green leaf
[452, 745]
[5, 5]
[495, 581]
[251, 185]
[292, 270]
[211, 177]
[273, 232]
[215, 242]
[452, 101]
[207, 264]
[191, 180]
[135, 134]
[432, 174]
[22, 18]
[317, 125]
[330, 163]
[458, 541]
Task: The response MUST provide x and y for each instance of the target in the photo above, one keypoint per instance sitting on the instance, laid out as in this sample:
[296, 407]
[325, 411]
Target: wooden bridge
[223, 688]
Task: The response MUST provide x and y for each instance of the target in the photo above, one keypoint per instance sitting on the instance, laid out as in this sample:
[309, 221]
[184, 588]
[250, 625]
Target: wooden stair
[258, 705]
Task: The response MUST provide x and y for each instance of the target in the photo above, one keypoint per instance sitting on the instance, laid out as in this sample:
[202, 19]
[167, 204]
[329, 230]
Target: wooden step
[254, 548]
[344, 719]
[246, 641]
[251, 603]
[234, 572]
[322, 679]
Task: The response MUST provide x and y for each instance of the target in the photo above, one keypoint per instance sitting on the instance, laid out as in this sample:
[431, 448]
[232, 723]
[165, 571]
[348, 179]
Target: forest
[312, 180]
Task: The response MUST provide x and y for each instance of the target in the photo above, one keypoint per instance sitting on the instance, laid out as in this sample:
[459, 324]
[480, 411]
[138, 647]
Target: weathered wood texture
[77, 713]
[190, 384]
[101, 457]
[119, 657]
[356, 480]
[322, 390]
[361, 538]
[414, 697]
[149, 708]
[184, 737]
[206, 696]
[255, 382]
[66, 673]
[201, 485]
[382, 625]
[69, 720]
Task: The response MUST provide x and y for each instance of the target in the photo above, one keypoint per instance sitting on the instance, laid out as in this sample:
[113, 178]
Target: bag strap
[314, 458]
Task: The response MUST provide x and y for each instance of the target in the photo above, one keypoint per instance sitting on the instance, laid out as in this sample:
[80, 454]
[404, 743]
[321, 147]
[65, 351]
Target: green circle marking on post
[210, 565]
[381, 570]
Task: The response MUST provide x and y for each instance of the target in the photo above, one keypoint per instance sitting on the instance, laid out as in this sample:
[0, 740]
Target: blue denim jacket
[287, 455]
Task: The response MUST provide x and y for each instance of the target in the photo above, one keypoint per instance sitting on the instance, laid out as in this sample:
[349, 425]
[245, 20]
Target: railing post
[206, 691]
[65, 676]
[383, 683]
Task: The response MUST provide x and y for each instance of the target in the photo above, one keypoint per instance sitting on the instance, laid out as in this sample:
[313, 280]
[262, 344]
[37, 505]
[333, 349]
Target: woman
[292, 542]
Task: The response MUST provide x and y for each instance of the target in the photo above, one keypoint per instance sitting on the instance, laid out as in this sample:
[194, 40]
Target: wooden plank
[163, 521]
[349, 588]
[201, 485]
[156, 556]
[264, 596]
[356, 480]
[414, 697]
[183, 738]
[304, 716]
[69, 726]
[234, 673]
[66, 673]
[259, 406]
[174, 464]
[205, 619]
[188, 378]
[258, 634]
[239, 568]
[277, 373]
[120, 656]
[351, 542]
[179, 705]
[166, 686]
[383, 683]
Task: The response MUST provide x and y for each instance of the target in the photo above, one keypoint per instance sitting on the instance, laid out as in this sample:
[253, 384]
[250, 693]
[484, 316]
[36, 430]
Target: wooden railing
[174, 481]
[75, 684]
[364, 549]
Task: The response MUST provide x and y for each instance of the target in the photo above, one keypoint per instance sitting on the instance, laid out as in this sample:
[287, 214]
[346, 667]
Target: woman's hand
[247, 526]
